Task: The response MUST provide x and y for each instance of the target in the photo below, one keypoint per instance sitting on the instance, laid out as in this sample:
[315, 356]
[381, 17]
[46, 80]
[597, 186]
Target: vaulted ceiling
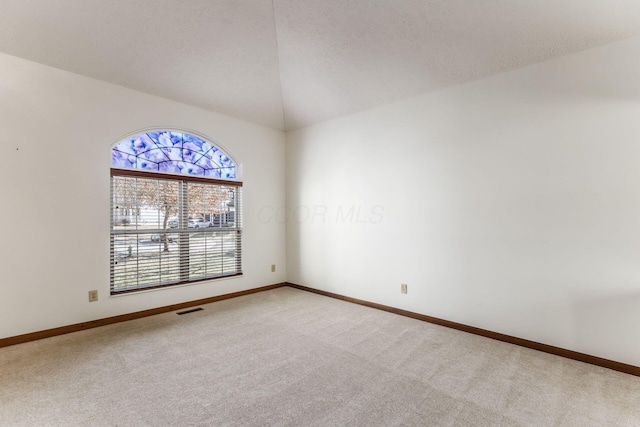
[290, 63]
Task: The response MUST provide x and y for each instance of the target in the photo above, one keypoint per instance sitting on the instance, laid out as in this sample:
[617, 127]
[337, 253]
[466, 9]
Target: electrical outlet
[93, 296]
[273, 268]
[403, 288]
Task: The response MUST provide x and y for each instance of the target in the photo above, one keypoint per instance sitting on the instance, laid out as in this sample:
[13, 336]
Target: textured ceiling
[291, 63]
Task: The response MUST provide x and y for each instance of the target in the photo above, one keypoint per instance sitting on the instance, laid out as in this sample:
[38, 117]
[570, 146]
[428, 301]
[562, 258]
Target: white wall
[56, 132]
[510, 204]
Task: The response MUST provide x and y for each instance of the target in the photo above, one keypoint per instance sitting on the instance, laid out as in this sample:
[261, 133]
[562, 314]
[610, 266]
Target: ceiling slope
[338, 57]
[214, 54]
[303, 61]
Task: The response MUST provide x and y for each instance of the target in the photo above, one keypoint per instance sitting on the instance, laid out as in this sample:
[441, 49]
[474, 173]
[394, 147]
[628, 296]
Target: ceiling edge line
[275, 30]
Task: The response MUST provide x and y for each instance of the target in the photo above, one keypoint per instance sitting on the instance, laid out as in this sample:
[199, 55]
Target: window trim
[175, 177]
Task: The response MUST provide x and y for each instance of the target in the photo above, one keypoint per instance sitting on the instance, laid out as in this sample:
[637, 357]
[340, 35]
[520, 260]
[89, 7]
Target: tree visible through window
[173, 219]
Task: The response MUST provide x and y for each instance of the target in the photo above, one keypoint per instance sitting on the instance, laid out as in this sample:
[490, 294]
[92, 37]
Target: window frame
[182, 178]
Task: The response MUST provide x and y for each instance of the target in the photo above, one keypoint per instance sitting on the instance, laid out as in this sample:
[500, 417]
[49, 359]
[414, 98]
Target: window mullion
[183, 218]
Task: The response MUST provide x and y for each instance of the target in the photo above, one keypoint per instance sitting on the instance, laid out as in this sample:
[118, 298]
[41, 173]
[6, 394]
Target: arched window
[175, 212]
[172, 152]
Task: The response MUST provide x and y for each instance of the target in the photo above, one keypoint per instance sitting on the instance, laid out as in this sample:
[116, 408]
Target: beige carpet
[289, 357]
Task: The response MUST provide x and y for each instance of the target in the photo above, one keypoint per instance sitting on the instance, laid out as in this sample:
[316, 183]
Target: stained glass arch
[173, 152]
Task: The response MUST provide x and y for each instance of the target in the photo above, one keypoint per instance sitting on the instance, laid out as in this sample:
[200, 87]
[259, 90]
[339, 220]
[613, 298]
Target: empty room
[320, 213]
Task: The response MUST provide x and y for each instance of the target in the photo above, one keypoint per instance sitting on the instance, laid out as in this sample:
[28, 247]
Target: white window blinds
[168, 230]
